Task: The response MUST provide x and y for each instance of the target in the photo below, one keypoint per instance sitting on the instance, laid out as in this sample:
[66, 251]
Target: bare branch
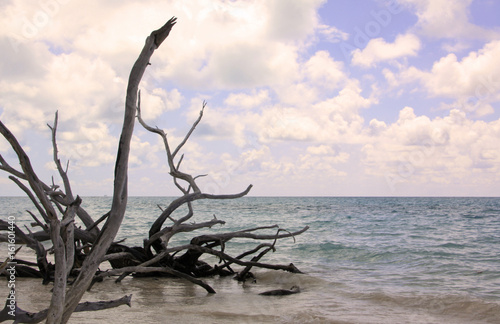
[57, 161]
[156, 226]
[118, 255]
[174, 171]
[190, 131]
[31, 197]
[180, 228]
[38, 222]
[97, 222]
[6, 167]
[222, 255]
[140, 269]
[243, 234]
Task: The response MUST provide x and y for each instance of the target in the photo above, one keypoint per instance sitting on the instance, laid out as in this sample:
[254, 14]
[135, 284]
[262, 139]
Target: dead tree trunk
[61, 231]
[119, 204]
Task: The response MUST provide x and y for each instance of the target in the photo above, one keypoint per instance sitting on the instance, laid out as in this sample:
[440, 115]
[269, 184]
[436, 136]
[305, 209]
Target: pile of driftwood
[80, 250]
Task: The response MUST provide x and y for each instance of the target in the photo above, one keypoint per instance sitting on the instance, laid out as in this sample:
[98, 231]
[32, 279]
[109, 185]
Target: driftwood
[78, 252]
[12, 312]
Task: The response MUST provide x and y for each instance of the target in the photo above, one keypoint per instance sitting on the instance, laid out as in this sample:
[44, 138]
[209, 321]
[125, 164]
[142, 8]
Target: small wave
[287, 279]
[324, 247]
[474, 216]
[305, 317]
[491, 210]
[452, 246]
[461, 306]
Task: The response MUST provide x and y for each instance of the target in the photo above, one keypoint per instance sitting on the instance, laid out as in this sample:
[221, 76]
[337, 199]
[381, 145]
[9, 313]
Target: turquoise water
[367, 260]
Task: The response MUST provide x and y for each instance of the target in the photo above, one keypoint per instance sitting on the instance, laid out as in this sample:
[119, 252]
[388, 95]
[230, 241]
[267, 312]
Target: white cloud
[286, 123]
[87, 146]
[376, 127]
[417, 149]
[455, 46]
[333, 119]
[379, 50]
[80, 88]
[447, 19]
[220, 124]
[332, 34]
[323, 71]
[343, 109]
[320, 150]
[247, 101]
[157, 101]
[241, 65]
[259, 47]
[322, 158]
[292, 20]
[143, 153]
[300, 93]
[474, 75]
[321, 166]
[472, 82]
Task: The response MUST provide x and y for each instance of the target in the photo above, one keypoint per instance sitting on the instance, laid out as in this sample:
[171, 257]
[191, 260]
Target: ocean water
[365, 260]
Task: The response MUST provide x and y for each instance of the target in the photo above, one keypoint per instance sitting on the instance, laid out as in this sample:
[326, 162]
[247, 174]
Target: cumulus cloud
[145, 153]
[379, 50]
[474, 75]
[323, 71]
[322, 163]
[286, 123]
[87, 146]
[333, 119]
[320, 150]
[446, 149]
[247, 100]
[259, 46]
[447, 19]
[471, 82]
[323, 158]
[376, 127]
[156, 102]
[292, 20]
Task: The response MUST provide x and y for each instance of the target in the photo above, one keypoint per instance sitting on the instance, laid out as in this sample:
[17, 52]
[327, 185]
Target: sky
[304, 97]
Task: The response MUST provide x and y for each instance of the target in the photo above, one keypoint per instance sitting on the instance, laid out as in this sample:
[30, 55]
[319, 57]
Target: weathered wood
[22, 316]
[119, 203]
[80, 251]
[165, 269]
[180, 228]
[158, 223]
[244, 234]
[290, 268]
